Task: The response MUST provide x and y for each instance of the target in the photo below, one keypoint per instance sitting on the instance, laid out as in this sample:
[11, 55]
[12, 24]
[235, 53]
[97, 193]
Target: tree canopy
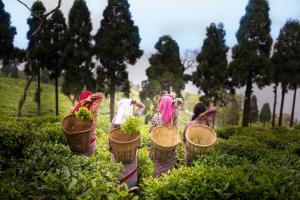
[265, 114]
[211, 75]
[250, 56]
[78, 52]
[116, 45]
[7, 35]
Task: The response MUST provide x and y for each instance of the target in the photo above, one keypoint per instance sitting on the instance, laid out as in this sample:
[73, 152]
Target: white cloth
[125, 108]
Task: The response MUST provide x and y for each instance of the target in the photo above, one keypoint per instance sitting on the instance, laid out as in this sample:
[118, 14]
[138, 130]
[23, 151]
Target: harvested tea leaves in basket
[84, 113]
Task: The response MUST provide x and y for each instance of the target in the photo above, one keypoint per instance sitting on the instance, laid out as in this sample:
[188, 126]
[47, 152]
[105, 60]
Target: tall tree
[56, 27]
[211, 75]
[28, 71]
[36, 46]
[117, 44]
[250, 62]
[253, 114]
[275, 80]
[287, 59]
[77, 54]
[265, 114]
[233, 114]
[165, 73]
[7, 35]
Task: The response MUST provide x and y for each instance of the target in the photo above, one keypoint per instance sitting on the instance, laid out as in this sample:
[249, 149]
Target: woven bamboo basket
[123, 145]
[164, 142]
[200, 139]
[77, 133]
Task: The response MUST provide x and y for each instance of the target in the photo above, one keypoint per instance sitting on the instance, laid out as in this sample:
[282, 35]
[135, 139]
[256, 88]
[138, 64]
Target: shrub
[42, 173]
[145, 165]
[241, 182]
[131, 125]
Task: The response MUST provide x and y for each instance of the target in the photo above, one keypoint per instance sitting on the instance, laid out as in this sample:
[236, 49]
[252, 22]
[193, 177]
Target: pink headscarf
[166, 108]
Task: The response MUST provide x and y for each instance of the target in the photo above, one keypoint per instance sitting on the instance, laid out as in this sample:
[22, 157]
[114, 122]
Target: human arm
[140, 106]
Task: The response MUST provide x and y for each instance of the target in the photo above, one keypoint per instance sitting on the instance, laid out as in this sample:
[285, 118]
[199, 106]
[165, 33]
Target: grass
[11, 91]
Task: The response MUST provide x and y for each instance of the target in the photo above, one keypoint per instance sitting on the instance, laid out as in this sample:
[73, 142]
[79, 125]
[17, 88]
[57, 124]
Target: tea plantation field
[35, 163]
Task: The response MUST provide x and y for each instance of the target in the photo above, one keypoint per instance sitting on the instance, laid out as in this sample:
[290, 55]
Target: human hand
[133, 102]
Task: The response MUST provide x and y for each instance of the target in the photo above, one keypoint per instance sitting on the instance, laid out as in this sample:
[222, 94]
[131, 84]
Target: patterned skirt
[161, 168]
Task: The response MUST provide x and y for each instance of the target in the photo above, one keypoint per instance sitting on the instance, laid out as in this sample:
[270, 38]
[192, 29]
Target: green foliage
[250, 56]
[165, 70]
[265, 113]
[55, 30]
[145, 165]
[116, 45]
[7, 35]
[145, 136]
[84, 113]
[286, 53]
[211, 75]
[233, 113]
[240, 182]
[12, 89]
[246, 166]
[132, 125]
[286, 60]
[77, 54]
[35, 163]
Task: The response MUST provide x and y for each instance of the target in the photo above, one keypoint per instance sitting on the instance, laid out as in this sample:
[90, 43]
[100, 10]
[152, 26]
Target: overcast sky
[184, 20]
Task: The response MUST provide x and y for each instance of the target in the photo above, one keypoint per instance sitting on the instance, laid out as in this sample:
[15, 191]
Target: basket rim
[164, 147]
[79, 132]
[202, 145]
[119, 142]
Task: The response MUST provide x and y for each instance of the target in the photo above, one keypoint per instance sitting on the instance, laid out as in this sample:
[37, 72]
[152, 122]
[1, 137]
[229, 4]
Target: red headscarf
[84, 95]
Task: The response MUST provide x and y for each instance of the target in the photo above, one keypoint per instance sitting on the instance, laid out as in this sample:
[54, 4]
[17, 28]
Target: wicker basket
[164, 142]
[200, 139]
[123, 145]
[77, 133]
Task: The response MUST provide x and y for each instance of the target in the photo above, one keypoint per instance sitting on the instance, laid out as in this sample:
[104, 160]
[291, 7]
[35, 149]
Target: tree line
[99, 62]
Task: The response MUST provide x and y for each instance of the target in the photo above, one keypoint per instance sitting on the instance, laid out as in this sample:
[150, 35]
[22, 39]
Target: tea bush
[246, 163]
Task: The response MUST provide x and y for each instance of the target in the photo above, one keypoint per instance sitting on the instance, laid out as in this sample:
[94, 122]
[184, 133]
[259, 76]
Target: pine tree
[250, 62]
[253, 115]
[117, 44]
[165, 73]
[7, 35]
[36, 46]
[77, 54]
[211, 75]
[56, 28]
[286, 58]
[265, 114]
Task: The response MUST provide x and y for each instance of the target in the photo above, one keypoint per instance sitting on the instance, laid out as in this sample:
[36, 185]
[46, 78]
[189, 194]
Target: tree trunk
[274, 105]
[281, 106]
[25, 93]
[293, 107]
[39, 90]
[112, 95]
[248, 92]
[56, 95]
